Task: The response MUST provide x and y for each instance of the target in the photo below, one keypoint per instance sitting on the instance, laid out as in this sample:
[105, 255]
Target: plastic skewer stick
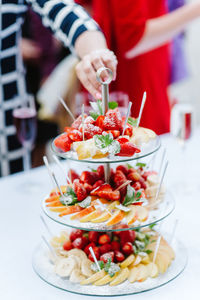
[127, 115]
[50, 247]
[161, 181]
[95, 259]
[162, 160]
[83, 125]
[46, 226]
[122, 185]
[52, 175]
[156, 248]
[66, 107]
[141, 108]
[62, 168]
[173, 232]
[107, 172]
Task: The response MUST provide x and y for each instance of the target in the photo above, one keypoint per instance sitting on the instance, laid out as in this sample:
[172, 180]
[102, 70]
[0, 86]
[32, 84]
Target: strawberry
[122, 140]
[89, 120]
[75, 135]
[78, 122]
[96, 252]
[105, 191]
[104, 257]
[73, 175]
[63, 142]
[115, 133]
[98, 183]
[86, 249]
[104, 239]
[127, 236]
[67, 129]
[115, 246]
[119, 178]
[79, 189]
[122, 168]
[128, 149]
[134, 176]
[99, 121]
[136, 185]
[129, 130]
[88, 187]
[100, 172]
[89, 177]
[119, 256]
[142, 182]
[80, 242]
[148, 173]
[90, 130]
[93, 236]
[67, 245]
[127, 248]
[105, 248]
[75, 233]
[113, 120]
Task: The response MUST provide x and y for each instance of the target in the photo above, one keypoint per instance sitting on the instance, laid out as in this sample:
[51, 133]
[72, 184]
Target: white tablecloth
[21, 230]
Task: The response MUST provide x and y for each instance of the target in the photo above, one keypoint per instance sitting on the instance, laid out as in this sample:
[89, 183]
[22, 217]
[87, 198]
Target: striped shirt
[67, 21]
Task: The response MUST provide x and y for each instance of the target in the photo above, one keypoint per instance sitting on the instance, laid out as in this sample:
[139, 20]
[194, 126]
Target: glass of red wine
[25, 120]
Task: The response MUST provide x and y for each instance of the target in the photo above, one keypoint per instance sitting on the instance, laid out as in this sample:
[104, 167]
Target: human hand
[90, 63]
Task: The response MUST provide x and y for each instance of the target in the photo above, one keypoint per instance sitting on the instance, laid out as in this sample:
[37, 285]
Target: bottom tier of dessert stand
[45, 270]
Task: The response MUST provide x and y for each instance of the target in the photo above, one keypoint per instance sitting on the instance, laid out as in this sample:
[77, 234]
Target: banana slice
[136, 262]
[142, 273]
[94, 277]
[86, 268]
[77, 252]
[152, 270]
[128, 261]
[106, 279]
[122, 276]
[76, 276]
[65, 266]
[133, 274]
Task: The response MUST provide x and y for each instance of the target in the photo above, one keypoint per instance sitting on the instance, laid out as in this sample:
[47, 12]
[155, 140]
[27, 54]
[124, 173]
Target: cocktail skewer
[50, 174]
[161, 181]
[141, 108]
[83, 123]
[94, 257]
[123, 185]
[162, 160]
[50, 247]
[127, 115]
[107, 172]
[156, 248]
[46, 226]
[66, 107]
[62, 169]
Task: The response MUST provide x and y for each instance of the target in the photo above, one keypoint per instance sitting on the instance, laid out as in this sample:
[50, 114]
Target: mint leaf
[141, 165]
[132, 196]
[95, 268]
[129, 166]
[106, 143]
[107, 265]
[69, 198]
[132, 121]
[112, 104]
[148, 251]
[113, 269]
[94, 115]
[151, 226]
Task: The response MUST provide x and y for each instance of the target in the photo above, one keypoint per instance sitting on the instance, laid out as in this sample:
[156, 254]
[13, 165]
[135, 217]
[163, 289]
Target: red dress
[123, 23]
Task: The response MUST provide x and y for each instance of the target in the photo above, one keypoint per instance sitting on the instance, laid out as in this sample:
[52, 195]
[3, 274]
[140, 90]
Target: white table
[21, 231]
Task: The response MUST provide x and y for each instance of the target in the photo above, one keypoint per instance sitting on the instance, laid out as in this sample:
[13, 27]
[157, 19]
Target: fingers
[90, 72]
[110, 61]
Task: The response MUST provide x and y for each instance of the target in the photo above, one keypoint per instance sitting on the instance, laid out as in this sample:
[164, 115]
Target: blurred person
[139, 33]
[72, 25]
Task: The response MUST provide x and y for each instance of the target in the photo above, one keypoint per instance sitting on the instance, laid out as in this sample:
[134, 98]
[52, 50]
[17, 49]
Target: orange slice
[116, 217]
[70, 210]
[94, 214]
[52, 198]
[58, 208]
[83, 213]
[54, 203]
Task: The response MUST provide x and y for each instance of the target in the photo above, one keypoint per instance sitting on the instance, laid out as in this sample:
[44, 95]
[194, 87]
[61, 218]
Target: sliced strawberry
[105, 248]
[122, 168]
[100, 172]
[93, 236]
[134, 176]
[119, 178]
[75, 135]
[104, 239]
[78, 122]
[89, 177]
[142, 182]
[98, 183]
[88, 187]
[128, 149]
[75, 233]
[113, 120]
[122, 140]
[106, 256]
[99, 121]
[79, 189]
[105, 191]
[119, 256]
[115, 133]
[128, 130]
[86, 249]
[96, 253]
[67, 245]
[148, 173]
[127, 248]
[90, 130]
[68, 129]
[63, 142]
[89, 120]
[136, 185]
[73, 175]
[115, 246]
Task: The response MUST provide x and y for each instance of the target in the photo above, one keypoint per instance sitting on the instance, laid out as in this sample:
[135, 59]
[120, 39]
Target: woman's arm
[160, 30]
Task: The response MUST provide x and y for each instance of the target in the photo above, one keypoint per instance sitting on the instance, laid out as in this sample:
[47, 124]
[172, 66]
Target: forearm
[89, 41]
[161, 30]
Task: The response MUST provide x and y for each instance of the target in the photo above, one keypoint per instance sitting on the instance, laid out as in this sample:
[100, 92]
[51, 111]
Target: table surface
[21, 228]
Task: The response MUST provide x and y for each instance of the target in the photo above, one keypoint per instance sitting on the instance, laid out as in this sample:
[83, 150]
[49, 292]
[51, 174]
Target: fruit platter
[105, 137]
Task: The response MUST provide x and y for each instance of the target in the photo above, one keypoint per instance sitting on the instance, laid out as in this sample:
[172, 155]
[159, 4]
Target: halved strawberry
[63, 142]
[99, 121]
[73, 175]
[75, 233]
[134, 176]
[78, 122]
[75, 135]
[128, 149]
[113, 120]
[100, 172]
[136, 185]
[104, 239]
[89, 177]
[119, 179]
[79, 189]
[88, 187]
[106, 256]
[96, 253]
[122, 140]
[119, 256]
[67, 245]
[98, 183]
[122, 168]
[80, 242]
[115, 133]
[115, 246]
[127, 248]
[105, 191]
[90, 130]
[148, 173]
[105, 248]
[86, 249]
[93, 236]
[142, 182]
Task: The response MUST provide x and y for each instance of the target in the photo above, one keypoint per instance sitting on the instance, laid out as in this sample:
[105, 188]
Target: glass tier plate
[45, 270]
[164, 209]
[146, 149]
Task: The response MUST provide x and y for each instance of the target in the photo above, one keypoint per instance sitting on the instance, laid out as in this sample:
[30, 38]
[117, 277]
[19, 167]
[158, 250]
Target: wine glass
[25, 120]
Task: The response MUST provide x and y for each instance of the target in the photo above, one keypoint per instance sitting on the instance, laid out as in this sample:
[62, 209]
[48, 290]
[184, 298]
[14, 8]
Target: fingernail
[105, 78]
[98, 95]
